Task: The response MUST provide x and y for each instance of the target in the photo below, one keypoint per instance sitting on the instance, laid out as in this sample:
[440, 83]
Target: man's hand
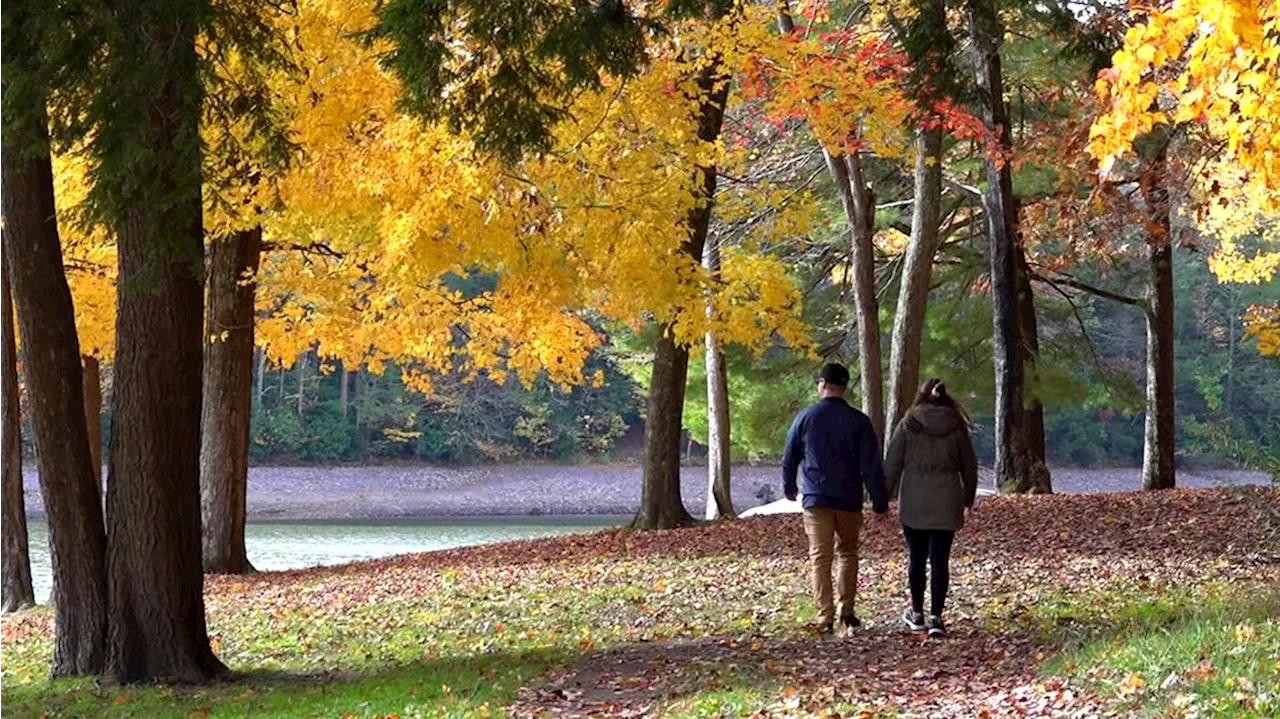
[791, 496]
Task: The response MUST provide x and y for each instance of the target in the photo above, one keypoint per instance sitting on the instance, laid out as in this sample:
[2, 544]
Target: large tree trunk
[1158, 445]
[1033, 412]
[862, 223]
[228, 401]
[51, 364]
[1014, 463]
[14, 555]
[660, 503]
[719, 492]
[157, 618]
[917, 275]
[91, 370]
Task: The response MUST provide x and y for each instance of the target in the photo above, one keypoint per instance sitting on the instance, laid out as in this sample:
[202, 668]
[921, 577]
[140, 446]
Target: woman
[933, 471]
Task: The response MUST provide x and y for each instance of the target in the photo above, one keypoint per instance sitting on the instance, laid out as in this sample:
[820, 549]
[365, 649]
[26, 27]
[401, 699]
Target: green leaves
[505, 73]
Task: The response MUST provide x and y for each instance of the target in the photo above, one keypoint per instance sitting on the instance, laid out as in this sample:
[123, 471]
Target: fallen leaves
[679, 620]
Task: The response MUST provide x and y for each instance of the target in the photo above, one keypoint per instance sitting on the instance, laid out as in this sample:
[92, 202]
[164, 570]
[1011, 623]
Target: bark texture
[719, 493]
[91, 377]
[1158, 446]
[157, 627]
[1014, 463]
[917, 275]
[55, 394]
[228, 401]
[660, 503]
[344, 392]
[867, 309]
[858, 204]
[1039, 479]
[15, 556]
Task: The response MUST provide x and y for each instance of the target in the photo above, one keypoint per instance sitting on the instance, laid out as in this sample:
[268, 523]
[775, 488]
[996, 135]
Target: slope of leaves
[701, 621]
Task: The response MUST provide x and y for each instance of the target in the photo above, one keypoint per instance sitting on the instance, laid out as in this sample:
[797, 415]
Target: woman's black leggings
[934, 546]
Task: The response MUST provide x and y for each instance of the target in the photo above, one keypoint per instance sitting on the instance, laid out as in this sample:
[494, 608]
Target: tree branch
[1083, 287]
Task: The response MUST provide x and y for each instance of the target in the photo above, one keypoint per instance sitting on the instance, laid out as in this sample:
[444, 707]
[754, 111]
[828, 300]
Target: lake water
[295, 545]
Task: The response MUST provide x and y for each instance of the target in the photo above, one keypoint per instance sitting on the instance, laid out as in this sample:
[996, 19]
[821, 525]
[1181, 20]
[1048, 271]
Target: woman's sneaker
[936, 628]
[913, 619]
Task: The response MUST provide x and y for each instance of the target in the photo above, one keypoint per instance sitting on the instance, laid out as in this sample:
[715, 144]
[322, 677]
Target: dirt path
[970, 675]
[349, 492]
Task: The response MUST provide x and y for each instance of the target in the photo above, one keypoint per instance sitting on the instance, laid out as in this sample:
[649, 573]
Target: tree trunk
[51, 365]
[858, 203]
[91, 371]
[16, 582]
[228, 403]
[660, 503]
[343, 391]
[262, 374]
[917, 275]
[1013, 461]
[1033, 414]
[157, 618]
[302, 373]
[867, 308]
[719, 488]
[358, 436]
[1158, 438]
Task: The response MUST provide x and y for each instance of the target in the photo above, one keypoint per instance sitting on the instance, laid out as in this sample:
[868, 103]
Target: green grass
[457, 687]
[1214, 652]
[436, 643]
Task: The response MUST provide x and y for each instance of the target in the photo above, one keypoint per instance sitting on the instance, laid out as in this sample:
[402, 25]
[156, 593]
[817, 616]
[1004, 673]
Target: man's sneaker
[826, 629]
[850, 623]
[936, 628]
[913, 619]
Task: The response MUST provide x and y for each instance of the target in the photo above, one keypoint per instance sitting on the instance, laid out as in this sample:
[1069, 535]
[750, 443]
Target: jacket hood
[933, 420]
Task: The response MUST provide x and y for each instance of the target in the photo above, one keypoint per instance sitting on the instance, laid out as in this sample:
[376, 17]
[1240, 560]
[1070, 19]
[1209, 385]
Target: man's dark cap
[835, 373]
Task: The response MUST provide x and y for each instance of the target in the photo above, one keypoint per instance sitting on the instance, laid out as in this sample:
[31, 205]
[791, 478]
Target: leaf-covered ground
[1064, 606]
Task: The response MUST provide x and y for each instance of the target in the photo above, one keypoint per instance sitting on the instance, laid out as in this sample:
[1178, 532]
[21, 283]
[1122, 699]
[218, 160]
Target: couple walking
[832, 454]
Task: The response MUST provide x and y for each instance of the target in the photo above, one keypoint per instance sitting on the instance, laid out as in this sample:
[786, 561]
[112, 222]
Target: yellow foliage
[440, 258]
[1213, 66]
[89, 257]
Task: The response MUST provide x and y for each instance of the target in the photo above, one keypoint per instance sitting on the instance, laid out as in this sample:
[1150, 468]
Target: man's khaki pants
[828, 530]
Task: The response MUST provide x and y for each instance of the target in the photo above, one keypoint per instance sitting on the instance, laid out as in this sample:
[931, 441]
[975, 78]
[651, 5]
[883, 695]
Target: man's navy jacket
[833, 448]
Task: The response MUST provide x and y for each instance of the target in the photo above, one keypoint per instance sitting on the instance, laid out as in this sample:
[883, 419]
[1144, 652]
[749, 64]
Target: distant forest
[1091, 381]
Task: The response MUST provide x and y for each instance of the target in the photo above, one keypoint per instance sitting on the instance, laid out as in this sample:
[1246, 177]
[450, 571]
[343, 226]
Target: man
[833, 448]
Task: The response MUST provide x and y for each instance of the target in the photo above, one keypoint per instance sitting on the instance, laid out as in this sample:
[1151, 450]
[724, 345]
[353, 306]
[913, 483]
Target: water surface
[298, 544]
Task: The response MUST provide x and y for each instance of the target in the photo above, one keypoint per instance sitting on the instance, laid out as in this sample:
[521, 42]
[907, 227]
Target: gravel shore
[388, 492]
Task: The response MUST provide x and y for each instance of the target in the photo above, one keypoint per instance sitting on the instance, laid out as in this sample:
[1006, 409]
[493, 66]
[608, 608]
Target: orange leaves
[846, 83]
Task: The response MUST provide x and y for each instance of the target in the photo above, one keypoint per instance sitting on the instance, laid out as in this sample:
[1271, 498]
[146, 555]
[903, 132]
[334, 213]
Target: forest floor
[1123, 604]
[352, 492]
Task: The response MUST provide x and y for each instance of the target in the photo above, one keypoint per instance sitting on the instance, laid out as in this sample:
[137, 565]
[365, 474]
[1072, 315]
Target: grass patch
[409, 642]
[1211, 652]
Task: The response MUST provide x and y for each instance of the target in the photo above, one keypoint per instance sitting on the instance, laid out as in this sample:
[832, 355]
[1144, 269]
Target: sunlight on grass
[1212, 653]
